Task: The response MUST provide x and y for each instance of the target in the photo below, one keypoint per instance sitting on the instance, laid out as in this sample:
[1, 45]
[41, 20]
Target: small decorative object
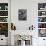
[43, 13]
[6, 7]
[0, 7]
[31, 27]
[43, 39]
[22, 14]
[13, 27]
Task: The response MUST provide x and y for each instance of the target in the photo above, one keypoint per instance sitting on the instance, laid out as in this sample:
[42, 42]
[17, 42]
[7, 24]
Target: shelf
[41, 28]
[41, 10]
[3, 16]
[41, 22]
[3, 10]
[42, 19]
[42, 16]
[4, 19]
[3, 22]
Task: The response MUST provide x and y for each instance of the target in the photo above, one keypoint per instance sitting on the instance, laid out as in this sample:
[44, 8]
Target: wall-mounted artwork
[22, 14]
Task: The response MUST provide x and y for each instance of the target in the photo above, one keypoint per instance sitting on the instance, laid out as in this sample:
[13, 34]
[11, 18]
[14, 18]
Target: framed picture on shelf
[42, 33]
[41, 13]
[41, 6]
[41, 25]
[3, 13]
[3, 19]
[41, 19]
[22, 14]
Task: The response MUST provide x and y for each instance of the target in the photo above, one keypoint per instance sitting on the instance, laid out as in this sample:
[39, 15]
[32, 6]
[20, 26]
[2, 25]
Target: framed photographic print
[22, 14]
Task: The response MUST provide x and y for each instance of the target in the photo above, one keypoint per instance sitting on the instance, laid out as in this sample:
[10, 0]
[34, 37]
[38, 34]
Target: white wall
[32, 14]
[31, 7]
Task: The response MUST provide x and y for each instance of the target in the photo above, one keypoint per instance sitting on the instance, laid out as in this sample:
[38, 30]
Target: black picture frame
[22, 14]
